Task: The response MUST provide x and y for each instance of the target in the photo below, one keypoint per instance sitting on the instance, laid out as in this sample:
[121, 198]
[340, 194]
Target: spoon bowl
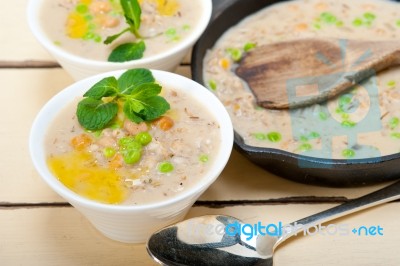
[220, 240]
[206, 240]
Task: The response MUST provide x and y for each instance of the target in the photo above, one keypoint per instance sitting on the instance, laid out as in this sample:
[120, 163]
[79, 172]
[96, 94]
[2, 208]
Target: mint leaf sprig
[128, 51]
[135, 90]
[132, 14]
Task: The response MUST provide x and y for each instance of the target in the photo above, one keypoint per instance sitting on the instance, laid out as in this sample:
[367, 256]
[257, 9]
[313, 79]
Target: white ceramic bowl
[79, 67]
[131, 224]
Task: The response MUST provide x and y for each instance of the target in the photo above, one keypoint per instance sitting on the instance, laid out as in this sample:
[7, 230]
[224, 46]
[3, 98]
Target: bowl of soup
[350, 140]
[133, 149]
[88, 37]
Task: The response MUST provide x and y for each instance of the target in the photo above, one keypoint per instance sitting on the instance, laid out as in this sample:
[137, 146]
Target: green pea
[395, 135]
[260, 136]
[357, 22]
[129, 143]
[314, 135]
[131, 156]
[235, 54]
[394, 122]
[391, 83]
[274, 136]
[348, 153]
[305, 147]
[323, 116]
[248, 46]
[109, 152]
[97, 38]
[203, 158]
[213, 85]
[143, 138]
[348, 123]
[369, 16]
[171, 32]
[398, 23]
[88, 36]
[165, 167]
[345, 116]
[328, 17]
[81, 8]
[186, 27]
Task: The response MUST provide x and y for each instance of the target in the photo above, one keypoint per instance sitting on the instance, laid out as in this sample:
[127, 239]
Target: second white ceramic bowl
[80, 67]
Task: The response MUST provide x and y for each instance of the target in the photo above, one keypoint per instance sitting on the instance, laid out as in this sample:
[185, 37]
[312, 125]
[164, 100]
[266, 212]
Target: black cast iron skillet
[300, 168]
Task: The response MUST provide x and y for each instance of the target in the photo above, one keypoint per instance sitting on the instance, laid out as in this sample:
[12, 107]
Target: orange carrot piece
[81, 142]
[116, 161]
[165, 123]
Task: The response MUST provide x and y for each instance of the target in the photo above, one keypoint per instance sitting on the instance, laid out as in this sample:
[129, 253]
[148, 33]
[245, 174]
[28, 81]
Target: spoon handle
[386, 194]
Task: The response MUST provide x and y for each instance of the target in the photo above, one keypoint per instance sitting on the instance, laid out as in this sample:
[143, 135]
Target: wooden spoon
[302, 72]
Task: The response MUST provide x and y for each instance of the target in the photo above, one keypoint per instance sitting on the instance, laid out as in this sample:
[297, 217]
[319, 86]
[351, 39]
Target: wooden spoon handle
[328, 66]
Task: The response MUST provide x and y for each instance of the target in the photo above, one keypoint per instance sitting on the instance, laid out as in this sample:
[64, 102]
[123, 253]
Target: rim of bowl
[33, 12]
[52, 108]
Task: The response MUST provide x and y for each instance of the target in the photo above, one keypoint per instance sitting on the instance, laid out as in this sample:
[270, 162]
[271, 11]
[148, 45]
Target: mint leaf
[127, 51]
[132, 12]
[104, 88]
[136, 90]
[154, 107]
[94, 114]
[133, 78]
[145, 91]
[132, 110]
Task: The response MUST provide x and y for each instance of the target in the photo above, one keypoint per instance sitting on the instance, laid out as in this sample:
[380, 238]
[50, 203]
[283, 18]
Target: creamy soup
[176, 149]
[363, 122]
[81, 26]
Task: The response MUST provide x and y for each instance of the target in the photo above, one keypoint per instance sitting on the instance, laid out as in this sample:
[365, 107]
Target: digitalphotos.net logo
[249, 231]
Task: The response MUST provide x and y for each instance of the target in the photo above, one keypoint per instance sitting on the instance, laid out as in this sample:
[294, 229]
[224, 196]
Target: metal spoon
[214, 240]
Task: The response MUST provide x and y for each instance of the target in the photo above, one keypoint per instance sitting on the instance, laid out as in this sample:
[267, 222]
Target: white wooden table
[37, 227]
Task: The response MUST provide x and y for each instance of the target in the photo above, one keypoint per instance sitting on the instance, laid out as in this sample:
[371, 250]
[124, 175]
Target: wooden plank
[61, 236]
[24, 93]
[17, 41]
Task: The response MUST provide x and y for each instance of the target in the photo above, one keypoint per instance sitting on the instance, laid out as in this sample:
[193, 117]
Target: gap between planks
[40, 64]
[29, 64]
[210, 204]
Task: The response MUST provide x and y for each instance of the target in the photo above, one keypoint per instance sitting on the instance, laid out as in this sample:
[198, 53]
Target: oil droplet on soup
[79, 172]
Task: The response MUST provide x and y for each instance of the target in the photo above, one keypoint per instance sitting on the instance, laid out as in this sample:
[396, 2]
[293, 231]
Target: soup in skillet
[363, 122]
